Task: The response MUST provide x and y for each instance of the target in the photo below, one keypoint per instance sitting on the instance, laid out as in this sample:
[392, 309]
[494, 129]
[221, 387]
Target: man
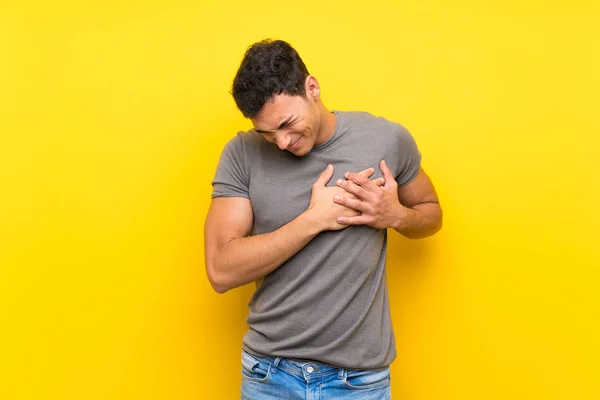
[302, 202]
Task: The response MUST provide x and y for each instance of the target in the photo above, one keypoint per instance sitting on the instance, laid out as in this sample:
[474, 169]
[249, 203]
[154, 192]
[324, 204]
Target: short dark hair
[270, 67]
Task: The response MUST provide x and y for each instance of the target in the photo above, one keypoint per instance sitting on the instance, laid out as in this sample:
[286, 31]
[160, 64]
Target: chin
[299, 152]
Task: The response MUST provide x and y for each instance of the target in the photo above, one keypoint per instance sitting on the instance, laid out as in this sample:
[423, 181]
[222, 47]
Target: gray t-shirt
[329, 302]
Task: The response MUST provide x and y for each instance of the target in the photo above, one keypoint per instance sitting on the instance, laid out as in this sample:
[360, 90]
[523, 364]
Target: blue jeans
[268, 378]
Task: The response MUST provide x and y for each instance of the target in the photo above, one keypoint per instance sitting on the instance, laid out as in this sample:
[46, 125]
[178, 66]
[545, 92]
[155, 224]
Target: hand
[379, 207]
[325, 209]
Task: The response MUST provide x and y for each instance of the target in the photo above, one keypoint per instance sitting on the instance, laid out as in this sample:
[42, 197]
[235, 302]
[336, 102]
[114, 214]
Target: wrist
[399, 217]
[310, 222]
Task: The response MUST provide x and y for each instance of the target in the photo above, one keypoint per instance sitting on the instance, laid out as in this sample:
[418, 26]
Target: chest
[281, 183]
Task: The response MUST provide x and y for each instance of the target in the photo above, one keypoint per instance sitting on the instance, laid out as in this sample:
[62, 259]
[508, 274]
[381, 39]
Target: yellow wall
[112, 118]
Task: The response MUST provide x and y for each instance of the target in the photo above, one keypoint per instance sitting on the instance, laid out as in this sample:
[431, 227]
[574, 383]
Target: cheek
[301, 130]
[310, 128]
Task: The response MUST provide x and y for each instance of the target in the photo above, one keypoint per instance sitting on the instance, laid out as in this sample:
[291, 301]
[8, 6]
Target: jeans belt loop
[275, 365]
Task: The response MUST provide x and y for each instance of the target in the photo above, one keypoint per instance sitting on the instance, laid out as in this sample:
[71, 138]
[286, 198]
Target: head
[274, 90]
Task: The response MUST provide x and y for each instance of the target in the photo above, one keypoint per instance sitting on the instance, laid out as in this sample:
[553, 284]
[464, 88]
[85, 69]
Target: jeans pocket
[368, 379]
[254, 368]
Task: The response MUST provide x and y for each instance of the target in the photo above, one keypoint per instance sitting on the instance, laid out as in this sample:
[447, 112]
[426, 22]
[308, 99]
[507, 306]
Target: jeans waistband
[302, 368]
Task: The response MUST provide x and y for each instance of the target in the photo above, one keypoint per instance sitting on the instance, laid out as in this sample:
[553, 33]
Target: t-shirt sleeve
[409, 157]
[231, 178]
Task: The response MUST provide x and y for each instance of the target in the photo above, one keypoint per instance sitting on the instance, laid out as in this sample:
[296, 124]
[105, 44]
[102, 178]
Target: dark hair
[269, 68]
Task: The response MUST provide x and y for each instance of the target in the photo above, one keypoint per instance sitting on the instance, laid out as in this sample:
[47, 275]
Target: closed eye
[269, 136]
[291, 123]
[287, 124]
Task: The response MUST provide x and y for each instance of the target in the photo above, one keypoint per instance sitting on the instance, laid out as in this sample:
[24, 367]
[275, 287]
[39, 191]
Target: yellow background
[112, 118]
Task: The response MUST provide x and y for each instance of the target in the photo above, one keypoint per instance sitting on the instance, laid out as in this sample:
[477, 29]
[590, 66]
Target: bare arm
[421, 214]
[234, 259]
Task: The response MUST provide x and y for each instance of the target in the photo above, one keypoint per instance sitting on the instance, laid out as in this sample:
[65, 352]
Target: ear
[312, 87]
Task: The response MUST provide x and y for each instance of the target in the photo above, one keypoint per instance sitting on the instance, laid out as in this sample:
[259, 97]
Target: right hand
[324, 209]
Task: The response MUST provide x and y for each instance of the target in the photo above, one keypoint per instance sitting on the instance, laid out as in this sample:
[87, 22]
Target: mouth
[295, 145]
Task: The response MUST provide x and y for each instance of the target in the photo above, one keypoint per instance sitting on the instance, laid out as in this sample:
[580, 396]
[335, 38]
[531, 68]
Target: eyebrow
[281, 125]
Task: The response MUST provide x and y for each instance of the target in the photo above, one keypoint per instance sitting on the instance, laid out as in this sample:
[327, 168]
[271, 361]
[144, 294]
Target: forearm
[419, 221]
[244, 260]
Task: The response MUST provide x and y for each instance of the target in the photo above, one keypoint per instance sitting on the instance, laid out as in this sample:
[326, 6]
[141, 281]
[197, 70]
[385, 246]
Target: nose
[283, 140]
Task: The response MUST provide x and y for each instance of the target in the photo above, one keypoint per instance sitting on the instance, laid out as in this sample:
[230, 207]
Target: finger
[387, 173]
[353, 188]
[358, 220]
[325, 176]
[351, 203]
[367, 172]
[361, 180]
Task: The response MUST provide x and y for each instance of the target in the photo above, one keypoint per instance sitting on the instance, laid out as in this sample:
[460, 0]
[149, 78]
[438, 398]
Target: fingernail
[336, 197]
[328, 166]
[346, 174]
[339, 181]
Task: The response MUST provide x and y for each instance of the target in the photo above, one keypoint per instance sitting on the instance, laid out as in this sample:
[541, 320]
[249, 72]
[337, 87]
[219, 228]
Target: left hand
[379, 206]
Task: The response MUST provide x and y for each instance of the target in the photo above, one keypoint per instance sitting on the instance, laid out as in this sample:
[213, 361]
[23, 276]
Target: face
[291, 122]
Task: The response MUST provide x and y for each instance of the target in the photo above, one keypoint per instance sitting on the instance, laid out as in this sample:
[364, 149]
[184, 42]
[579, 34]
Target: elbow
[220, 289]
[219, 285]
[437, 226]
[440, 222]
[218, 281]
[435, 230]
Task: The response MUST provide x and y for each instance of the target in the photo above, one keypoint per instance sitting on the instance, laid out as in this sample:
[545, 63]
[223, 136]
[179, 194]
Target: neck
[327, 127]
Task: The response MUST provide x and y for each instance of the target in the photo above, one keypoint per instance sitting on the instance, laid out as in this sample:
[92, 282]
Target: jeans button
[310, 369]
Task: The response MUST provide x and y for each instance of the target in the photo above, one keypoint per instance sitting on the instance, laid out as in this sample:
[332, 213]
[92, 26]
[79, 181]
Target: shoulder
[360, 117]
[366, 122]
[243, 142]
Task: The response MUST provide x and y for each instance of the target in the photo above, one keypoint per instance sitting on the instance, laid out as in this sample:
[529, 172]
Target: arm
[234, 259]
[412, 210]
[419, 213]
